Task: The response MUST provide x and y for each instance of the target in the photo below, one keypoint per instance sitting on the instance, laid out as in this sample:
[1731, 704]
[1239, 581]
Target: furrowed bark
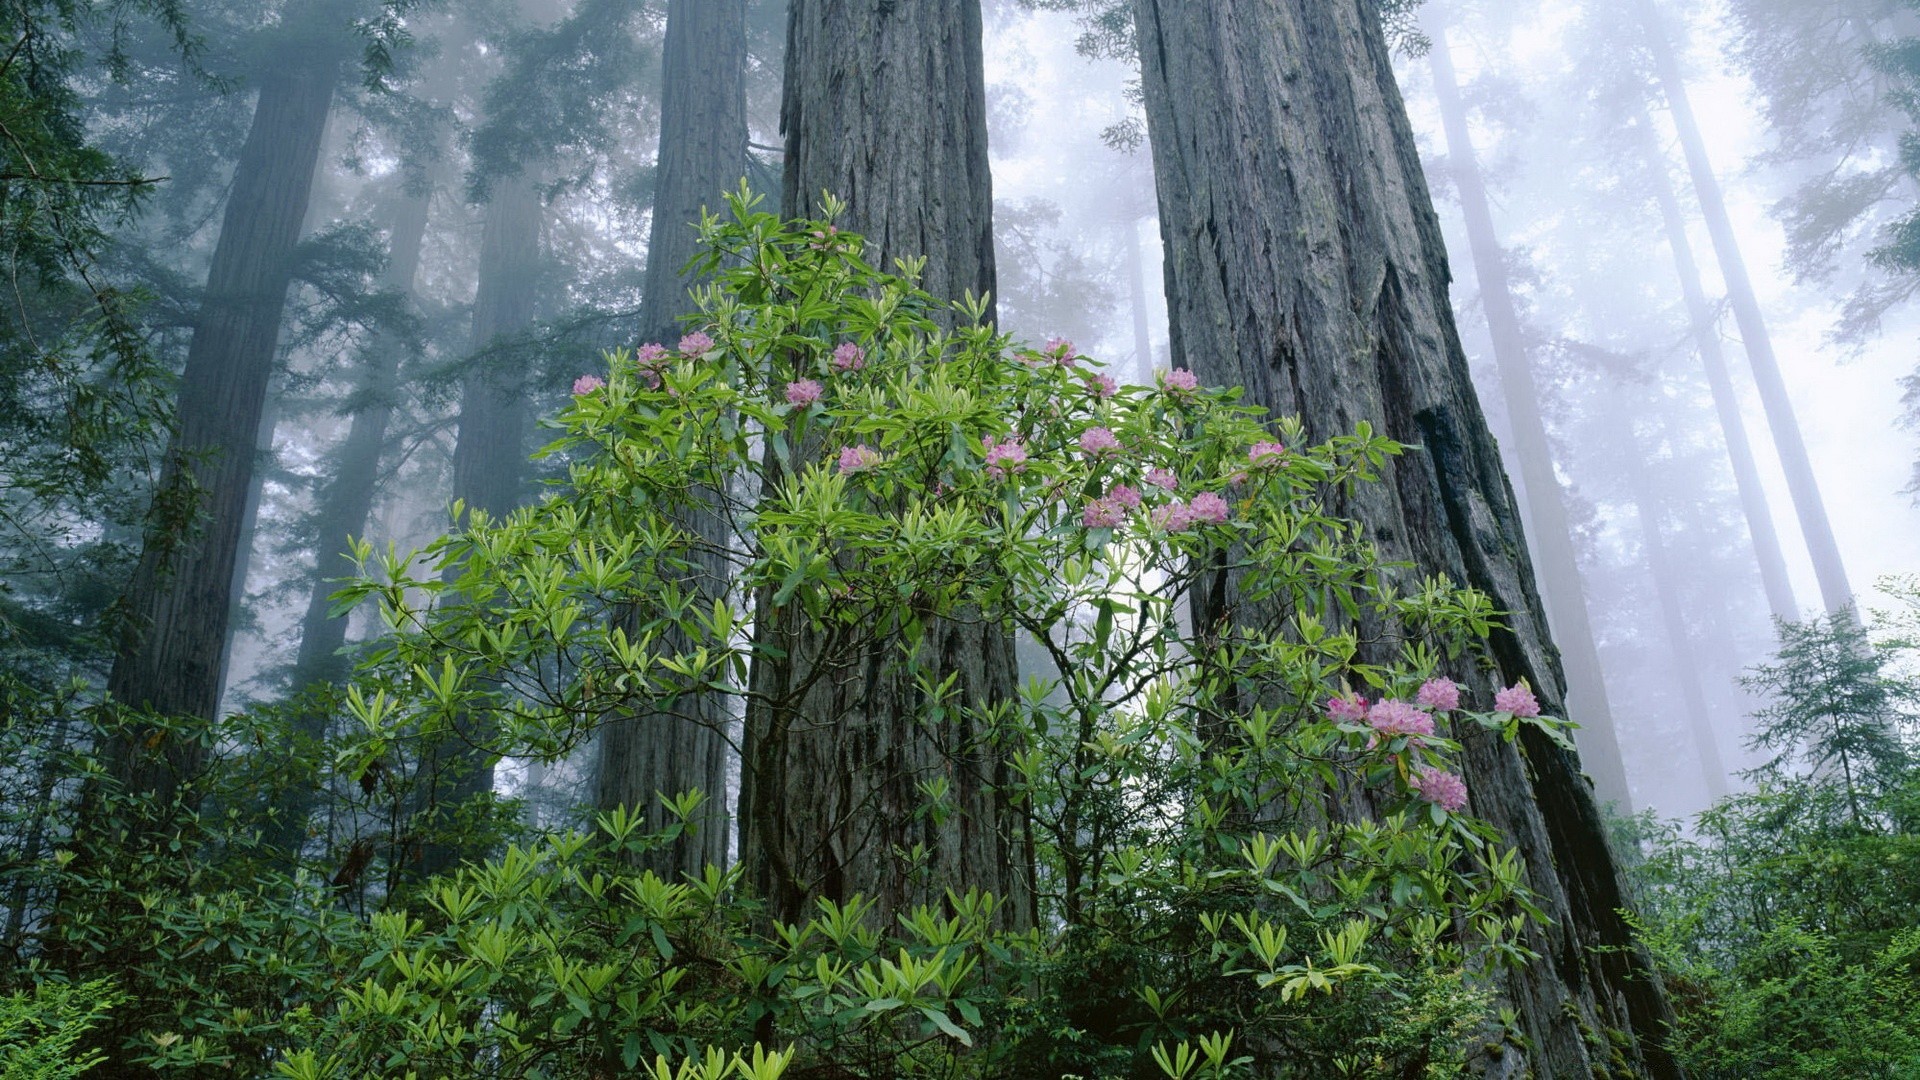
[885, 107]
[703, 153]
[1305, 263]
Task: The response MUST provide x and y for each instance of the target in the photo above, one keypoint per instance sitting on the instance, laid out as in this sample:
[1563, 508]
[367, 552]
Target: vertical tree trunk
[1828, 569]
[345, 505]
[1669, 591]
[1304, 263]
[703, 152]
[489, 454]
[1706, 336]
[180, 600]
[1137, 300]
[885, 107]
[1550, 529]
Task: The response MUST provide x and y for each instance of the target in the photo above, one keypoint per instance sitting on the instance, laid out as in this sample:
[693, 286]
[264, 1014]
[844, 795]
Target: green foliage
[1785, 918]
[40, 1030]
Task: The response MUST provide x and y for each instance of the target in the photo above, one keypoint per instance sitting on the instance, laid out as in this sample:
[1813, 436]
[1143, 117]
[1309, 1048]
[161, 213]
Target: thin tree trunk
[180, 600]
[1550, 528]
[1828, 569]
[703, 152]
[344, 509]
[885, 107]
[1713, 360]
[1305, 264]
[1668, 590]
[489, 460]
[1137, 300]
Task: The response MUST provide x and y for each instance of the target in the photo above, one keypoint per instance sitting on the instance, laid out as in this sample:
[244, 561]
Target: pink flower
[1208, 507]
[1394, 719]
[1103, 386]
[587, 384]
[1161, 478]
[1007, 456]
[1173, 517]
[1266, 454]
[803, 393]
[1060, 349]
[1125, 496]
[849, 357]
[1441, 788]
[1098, 442]
[1103, 514]
[1180, 381]
[651, 355]
[1346, 708]
[1517, 699]
[696, 344]
[855, 458]
[1440, 694]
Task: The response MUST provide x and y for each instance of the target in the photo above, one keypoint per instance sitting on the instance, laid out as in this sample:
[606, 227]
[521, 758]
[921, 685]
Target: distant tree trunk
[1551, 531]
[1828, 569]
[1304, 263]
[884, 106]
[1706, 335]
[703, 152]
[180, 600]
[1669, 591]
[489, 454]
[1137, 300]
[345, 505]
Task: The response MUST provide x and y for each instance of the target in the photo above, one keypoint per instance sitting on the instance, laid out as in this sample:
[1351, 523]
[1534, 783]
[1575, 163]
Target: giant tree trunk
[1706, 336]
[885, 107]
[703, 152]
[1305, 263]
[1546, 509]
[180, 601]
[489, 455]
[1828, 569]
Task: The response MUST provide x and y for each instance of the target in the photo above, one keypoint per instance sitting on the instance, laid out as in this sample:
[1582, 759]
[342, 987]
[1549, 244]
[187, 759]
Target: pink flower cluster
[1180, 381]
[1099, 442]
[696, 344]
[1162, 479]
[849, 357]
[1441, 788]
[1441, 693]
[1102, 386]
[1060, 350]
[587, 384]
[1517, 699]
[1111, 510]
[1394, 719]
[855, 458]
[1347, 708]
[803, 393]
[1006, 456]
[1206, 508]
[1266, 454]
[651, 358]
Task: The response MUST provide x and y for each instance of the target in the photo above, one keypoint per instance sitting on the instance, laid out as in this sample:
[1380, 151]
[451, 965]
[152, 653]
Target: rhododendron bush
[1250, 848]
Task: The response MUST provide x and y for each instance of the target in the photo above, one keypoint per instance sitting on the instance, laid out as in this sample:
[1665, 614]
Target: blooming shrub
[1198, 905]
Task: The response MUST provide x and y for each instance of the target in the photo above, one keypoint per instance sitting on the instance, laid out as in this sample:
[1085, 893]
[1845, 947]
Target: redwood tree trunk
[1713, 360]
[703, 152]
[180, 601]
[1305, 263]
[885, 107]
[489, 455]
[1546, 509]
[1828, 569]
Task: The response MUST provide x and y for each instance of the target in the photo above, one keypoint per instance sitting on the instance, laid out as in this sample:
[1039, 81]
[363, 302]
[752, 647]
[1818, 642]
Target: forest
[1028, 539]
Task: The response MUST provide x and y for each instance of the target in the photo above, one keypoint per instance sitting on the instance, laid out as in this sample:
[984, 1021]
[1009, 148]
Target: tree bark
[1550, 528]
[1746, 474]
[489, 457]
[179, 603]
[884, 106]
[1304, 262]
[703, 153]
[1828, 568]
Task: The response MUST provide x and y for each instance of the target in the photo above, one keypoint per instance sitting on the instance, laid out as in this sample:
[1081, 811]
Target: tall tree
[179, 602]
[1546, 510]
[1304, 263]
[1828, 568]
[703, 152]
[884, 106]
